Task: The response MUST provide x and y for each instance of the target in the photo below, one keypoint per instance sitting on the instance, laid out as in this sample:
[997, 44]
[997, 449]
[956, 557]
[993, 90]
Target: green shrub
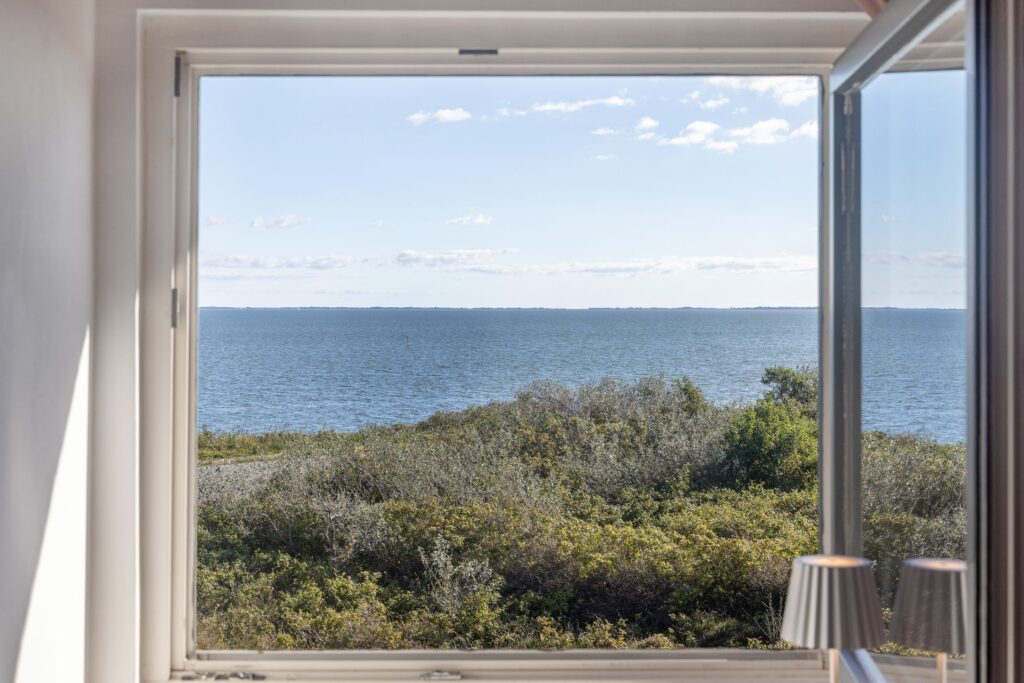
[612, 515]
[774, 444]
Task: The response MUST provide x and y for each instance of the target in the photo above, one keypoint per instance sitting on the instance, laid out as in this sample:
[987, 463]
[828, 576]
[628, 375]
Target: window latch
[441, 676]
[174, 308]
[177, 74]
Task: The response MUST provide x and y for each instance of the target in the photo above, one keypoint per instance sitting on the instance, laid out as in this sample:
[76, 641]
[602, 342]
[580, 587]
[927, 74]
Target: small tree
[797, 385]
[774, 444]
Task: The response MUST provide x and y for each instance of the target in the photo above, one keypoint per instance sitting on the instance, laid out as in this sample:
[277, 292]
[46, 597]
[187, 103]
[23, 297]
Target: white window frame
[177, 49]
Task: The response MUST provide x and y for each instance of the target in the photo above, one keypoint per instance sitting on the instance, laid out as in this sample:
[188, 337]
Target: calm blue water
[345, 368]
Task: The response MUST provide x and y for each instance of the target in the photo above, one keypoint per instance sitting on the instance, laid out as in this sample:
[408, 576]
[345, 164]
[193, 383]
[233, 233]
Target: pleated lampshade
[931, 605]
[832, 604]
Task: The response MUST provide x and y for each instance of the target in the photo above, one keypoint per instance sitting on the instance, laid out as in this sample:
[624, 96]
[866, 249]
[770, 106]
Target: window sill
[607, 666]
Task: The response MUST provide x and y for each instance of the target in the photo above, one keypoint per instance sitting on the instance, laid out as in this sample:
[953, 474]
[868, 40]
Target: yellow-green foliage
[613, 515]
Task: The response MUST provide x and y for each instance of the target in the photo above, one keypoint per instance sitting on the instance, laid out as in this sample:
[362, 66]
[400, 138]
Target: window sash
[168, 374]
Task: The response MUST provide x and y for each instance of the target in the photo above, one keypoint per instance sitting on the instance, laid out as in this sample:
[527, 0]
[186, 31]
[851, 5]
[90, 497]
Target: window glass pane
[914, 238]
[504, 362]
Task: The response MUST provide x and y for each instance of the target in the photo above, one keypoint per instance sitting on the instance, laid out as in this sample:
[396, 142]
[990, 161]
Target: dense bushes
[613, 515]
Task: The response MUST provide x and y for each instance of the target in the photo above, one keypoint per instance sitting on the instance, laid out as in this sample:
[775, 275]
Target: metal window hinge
[177, 75]
[174, 308]
[223, 676]
[441, 676]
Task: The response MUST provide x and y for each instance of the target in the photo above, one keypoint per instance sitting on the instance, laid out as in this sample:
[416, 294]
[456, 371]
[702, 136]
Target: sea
[346, 368]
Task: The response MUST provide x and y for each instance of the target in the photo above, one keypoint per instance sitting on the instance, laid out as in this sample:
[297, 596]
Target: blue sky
[914, 185]
[557, 192]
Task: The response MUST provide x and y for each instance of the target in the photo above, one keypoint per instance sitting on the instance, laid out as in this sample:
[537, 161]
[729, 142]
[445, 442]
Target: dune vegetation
[607, 516]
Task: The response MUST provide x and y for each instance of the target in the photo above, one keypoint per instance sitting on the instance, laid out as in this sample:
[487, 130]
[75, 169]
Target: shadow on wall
[45, 308]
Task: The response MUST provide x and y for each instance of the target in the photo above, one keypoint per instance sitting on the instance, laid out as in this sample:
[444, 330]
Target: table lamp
[931, 608]
[833, 605]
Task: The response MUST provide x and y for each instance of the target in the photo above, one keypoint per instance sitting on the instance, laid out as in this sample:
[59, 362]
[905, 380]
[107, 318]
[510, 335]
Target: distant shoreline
[544, 308]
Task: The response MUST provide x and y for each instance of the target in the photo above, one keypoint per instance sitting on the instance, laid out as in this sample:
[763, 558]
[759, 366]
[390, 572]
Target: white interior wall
[46, 107]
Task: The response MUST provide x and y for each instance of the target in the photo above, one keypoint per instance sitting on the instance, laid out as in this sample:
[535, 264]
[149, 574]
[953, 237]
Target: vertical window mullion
[839, 429]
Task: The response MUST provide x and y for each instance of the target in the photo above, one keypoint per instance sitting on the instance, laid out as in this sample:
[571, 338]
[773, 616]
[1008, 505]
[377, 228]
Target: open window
[447, 609]
[516, 371]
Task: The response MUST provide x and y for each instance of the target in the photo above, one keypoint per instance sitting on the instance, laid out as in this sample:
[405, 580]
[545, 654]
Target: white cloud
[439, 116]
[647, 123]
[727, 146]
[604, 131]
[646, 136]
[889, 218]
[695, 133]
[218, 219]
[505, 111]
[935, 259]
[767, 132]
[451, 115]
[737, 264]
[941, 259]
[807, 130]
[376, 224]
[270, 262]
[484, 261]
[452, 258]
[290, 220]
[711, 103]
[604, 157]
[715, 103]
[789, 91]
[471, 219]
[709, 135]
[569, 107]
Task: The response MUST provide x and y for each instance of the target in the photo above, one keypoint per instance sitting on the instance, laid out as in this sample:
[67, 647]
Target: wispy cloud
[452, 258]
[789, 91]
[806, 130]
[570, 107]
[471, 219]
[694, 134]
[711, 136]
[379, 223]
[505, 111]
[485, 261]
[663, 266]
[888, 218]
[768, 132]
[935, 259]
[714, 103]
[709, 103]
[646, 123]
[218, 219]
[604, 131]
[440, 116]
[275, 263]
[727, 146]
[603, 157]
[290, 220]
